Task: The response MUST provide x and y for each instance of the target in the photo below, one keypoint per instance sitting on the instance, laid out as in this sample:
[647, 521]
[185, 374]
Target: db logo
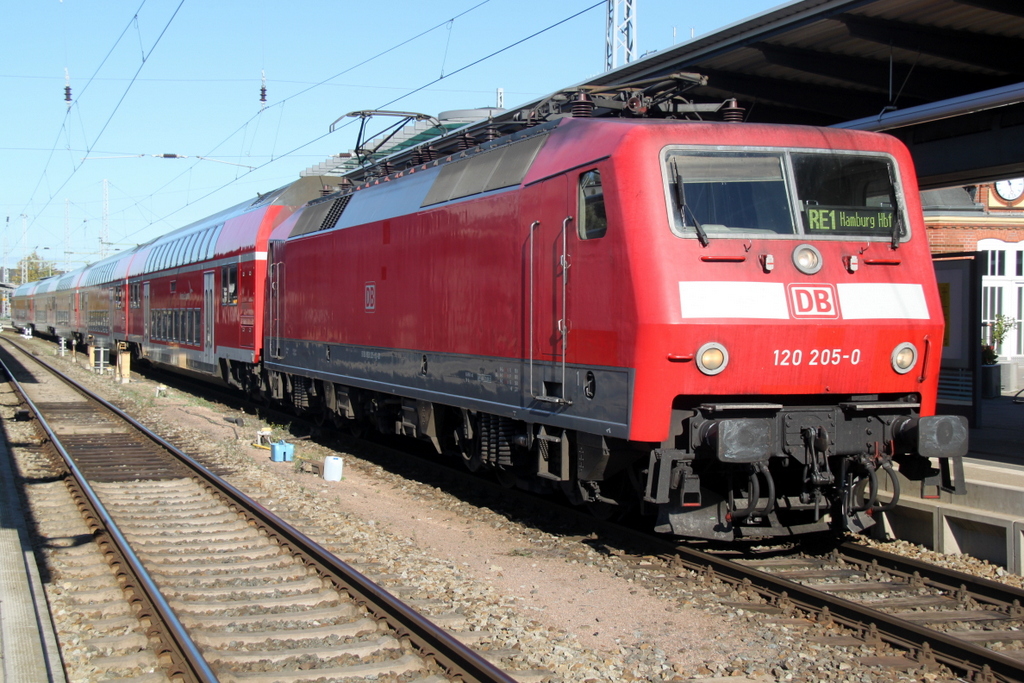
[813, 301]
[370, 297]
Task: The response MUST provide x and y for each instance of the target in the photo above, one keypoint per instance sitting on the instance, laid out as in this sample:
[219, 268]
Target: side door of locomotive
[548, 212]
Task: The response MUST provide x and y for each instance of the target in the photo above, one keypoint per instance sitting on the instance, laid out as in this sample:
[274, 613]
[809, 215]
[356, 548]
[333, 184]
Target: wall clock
[1010, 190]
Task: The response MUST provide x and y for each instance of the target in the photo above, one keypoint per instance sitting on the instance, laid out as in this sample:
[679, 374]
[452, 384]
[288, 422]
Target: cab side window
[593, 223]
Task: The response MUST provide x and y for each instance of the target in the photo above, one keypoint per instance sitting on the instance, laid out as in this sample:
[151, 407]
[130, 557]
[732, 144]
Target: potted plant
[991, 372]
[998, 329]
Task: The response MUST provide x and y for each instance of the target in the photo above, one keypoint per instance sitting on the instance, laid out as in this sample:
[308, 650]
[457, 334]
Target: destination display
[842, 220]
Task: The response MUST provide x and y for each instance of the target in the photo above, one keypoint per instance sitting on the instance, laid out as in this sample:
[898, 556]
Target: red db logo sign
[813, 301]
[370, 297]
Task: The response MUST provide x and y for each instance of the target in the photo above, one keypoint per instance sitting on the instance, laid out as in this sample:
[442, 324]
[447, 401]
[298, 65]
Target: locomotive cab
[804, 343]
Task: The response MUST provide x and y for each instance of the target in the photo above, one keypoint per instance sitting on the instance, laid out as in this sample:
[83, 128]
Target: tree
[34, 267]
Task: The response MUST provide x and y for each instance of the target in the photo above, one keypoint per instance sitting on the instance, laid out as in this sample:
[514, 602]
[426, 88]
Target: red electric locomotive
[735, 326]
[732, 327]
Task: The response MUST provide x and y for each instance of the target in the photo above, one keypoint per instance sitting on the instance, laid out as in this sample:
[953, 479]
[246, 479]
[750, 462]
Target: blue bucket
[282, 451]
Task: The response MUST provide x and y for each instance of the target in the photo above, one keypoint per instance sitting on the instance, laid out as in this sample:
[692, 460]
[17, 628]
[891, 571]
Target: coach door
[145, 313]
[550, 264]
[209, 315]
[276, 279]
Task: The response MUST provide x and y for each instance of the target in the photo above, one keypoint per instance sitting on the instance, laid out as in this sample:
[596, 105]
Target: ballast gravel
[545, 604]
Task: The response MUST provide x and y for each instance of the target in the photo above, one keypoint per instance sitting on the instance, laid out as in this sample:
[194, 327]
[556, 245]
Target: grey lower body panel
[591, 398]
[179, 357]
[231, 353]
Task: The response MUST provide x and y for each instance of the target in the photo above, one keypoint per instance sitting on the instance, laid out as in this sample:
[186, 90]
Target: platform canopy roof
[945, 76]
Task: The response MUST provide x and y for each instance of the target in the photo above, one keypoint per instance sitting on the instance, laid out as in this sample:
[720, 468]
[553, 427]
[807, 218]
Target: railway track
[938, 615]
[929, 616]
[206, 583]
[917, 614]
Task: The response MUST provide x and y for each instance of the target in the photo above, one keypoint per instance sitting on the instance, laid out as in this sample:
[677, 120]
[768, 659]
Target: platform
[28, 644]
[987, 522]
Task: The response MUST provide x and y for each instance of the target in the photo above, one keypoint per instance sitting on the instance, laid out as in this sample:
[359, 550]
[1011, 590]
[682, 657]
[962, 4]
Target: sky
[183, 77]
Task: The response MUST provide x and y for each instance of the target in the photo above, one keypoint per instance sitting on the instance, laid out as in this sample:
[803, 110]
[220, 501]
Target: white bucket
[332, 468]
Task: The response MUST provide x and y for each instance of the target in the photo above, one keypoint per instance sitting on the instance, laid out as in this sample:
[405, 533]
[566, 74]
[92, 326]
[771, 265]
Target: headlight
[904, 357]
[712, 358]
[807, 259]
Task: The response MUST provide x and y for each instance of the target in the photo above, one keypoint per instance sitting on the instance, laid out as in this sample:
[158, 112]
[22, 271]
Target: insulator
[67, 93]
[263, 94]
[582, 106]
[466, 141]
[636, 105]
[491, 133]
[732, 111]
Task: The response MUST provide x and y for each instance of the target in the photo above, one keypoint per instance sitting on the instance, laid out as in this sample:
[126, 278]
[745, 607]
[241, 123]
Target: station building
[988, 218]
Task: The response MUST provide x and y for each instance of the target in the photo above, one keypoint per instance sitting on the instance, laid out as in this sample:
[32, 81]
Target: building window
[593, 222]
[997, 262]
[229, 285]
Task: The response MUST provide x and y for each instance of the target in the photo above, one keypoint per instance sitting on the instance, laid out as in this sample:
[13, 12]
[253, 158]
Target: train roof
[48, 285]
[26, 289]
[196, 241]
[100, 272]
[69, 280]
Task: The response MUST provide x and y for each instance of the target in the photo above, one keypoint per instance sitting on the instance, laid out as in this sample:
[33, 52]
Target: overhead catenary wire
[281, 103]
[60, 131]
[384, 105]
[141, 202]
[323, 82]
[116, 107]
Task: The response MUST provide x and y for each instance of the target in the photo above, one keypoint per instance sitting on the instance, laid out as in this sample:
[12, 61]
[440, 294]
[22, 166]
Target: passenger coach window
[229, 285]
[593, 222]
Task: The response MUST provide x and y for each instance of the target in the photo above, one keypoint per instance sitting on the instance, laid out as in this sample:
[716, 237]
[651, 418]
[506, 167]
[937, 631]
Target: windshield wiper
[897, 228]
[684, 209]
[897, 218]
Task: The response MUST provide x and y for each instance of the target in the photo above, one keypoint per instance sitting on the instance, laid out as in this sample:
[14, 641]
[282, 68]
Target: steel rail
[991, 591]
[972, 658]
[447, 651]
[192, 664]
[927, 643]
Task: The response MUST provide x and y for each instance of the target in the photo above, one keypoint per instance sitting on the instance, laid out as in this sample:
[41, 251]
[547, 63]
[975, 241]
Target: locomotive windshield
[787, 193]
